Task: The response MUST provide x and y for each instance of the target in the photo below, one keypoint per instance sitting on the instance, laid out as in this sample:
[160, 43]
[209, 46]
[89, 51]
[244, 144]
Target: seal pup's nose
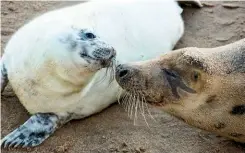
[113, 53]
[105, 54]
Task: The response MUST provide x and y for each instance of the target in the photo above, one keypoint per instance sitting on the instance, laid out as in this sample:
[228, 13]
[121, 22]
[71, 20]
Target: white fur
[137, 30]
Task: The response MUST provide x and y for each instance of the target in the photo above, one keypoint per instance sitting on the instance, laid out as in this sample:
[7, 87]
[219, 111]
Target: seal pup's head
[87, 49]
[203, 86]
[78, 53]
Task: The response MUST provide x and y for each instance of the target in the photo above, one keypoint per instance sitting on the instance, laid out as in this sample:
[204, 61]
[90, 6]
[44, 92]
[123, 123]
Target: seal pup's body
[205, 87]
[54, 63]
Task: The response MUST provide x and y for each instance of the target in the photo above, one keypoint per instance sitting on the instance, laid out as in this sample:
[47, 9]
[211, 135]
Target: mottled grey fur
[4, 77]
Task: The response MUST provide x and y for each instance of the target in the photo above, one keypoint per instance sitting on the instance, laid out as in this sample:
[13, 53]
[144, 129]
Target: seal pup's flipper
[33, 132]
[4, 76]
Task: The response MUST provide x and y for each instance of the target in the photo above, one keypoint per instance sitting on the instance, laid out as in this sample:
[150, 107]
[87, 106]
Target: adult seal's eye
[195, 76]
[90, 35]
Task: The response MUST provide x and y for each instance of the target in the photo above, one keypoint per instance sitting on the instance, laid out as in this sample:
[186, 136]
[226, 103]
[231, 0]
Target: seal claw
[18, 144]
[33, 132]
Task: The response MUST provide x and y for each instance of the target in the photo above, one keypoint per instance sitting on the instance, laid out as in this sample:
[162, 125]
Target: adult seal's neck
[232, 56]
[225, 59]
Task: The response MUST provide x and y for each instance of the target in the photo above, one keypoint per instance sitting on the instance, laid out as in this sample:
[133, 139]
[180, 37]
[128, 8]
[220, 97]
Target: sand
[111, 131]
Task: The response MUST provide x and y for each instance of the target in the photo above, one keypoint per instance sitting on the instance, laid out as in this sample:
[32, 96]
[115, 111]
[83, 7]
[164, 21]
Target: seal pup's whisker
[112, 72]
[108, 71]
[102, 79]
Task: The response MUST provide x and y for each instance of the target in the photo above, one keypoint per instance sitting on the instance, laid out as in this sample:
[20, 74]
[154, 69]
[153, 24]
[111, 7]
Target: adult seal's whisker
[132, 101]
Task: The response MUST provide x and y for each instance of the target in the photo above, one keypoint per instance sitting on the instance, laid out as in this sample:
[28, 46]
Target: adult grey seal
[205, 87]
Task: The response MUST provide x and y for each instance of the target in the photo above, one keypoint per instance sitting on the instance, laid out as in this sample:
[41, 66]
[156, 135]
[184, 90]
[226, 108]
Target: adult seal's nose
[122, 72]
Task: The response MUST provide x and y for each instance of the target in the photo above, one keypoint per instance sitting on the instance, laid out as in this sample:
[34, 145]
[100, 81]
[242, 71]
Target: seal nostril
[107, 52]
[112, 54]
[123, 73]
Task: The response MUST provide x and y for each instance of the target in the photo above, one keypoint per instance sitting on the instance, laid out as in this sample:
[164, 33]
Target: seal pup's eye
[90, 35]
[195, 76]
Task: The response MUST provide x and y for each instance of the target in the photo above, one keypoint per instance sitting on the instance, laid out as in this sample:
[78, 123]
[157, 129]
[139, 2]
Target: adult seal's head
[203, 86]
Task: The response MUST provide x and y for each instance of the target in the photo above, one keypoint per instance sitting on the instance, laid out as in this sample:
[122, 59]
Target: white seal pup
[54, 62]
[51, 77]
